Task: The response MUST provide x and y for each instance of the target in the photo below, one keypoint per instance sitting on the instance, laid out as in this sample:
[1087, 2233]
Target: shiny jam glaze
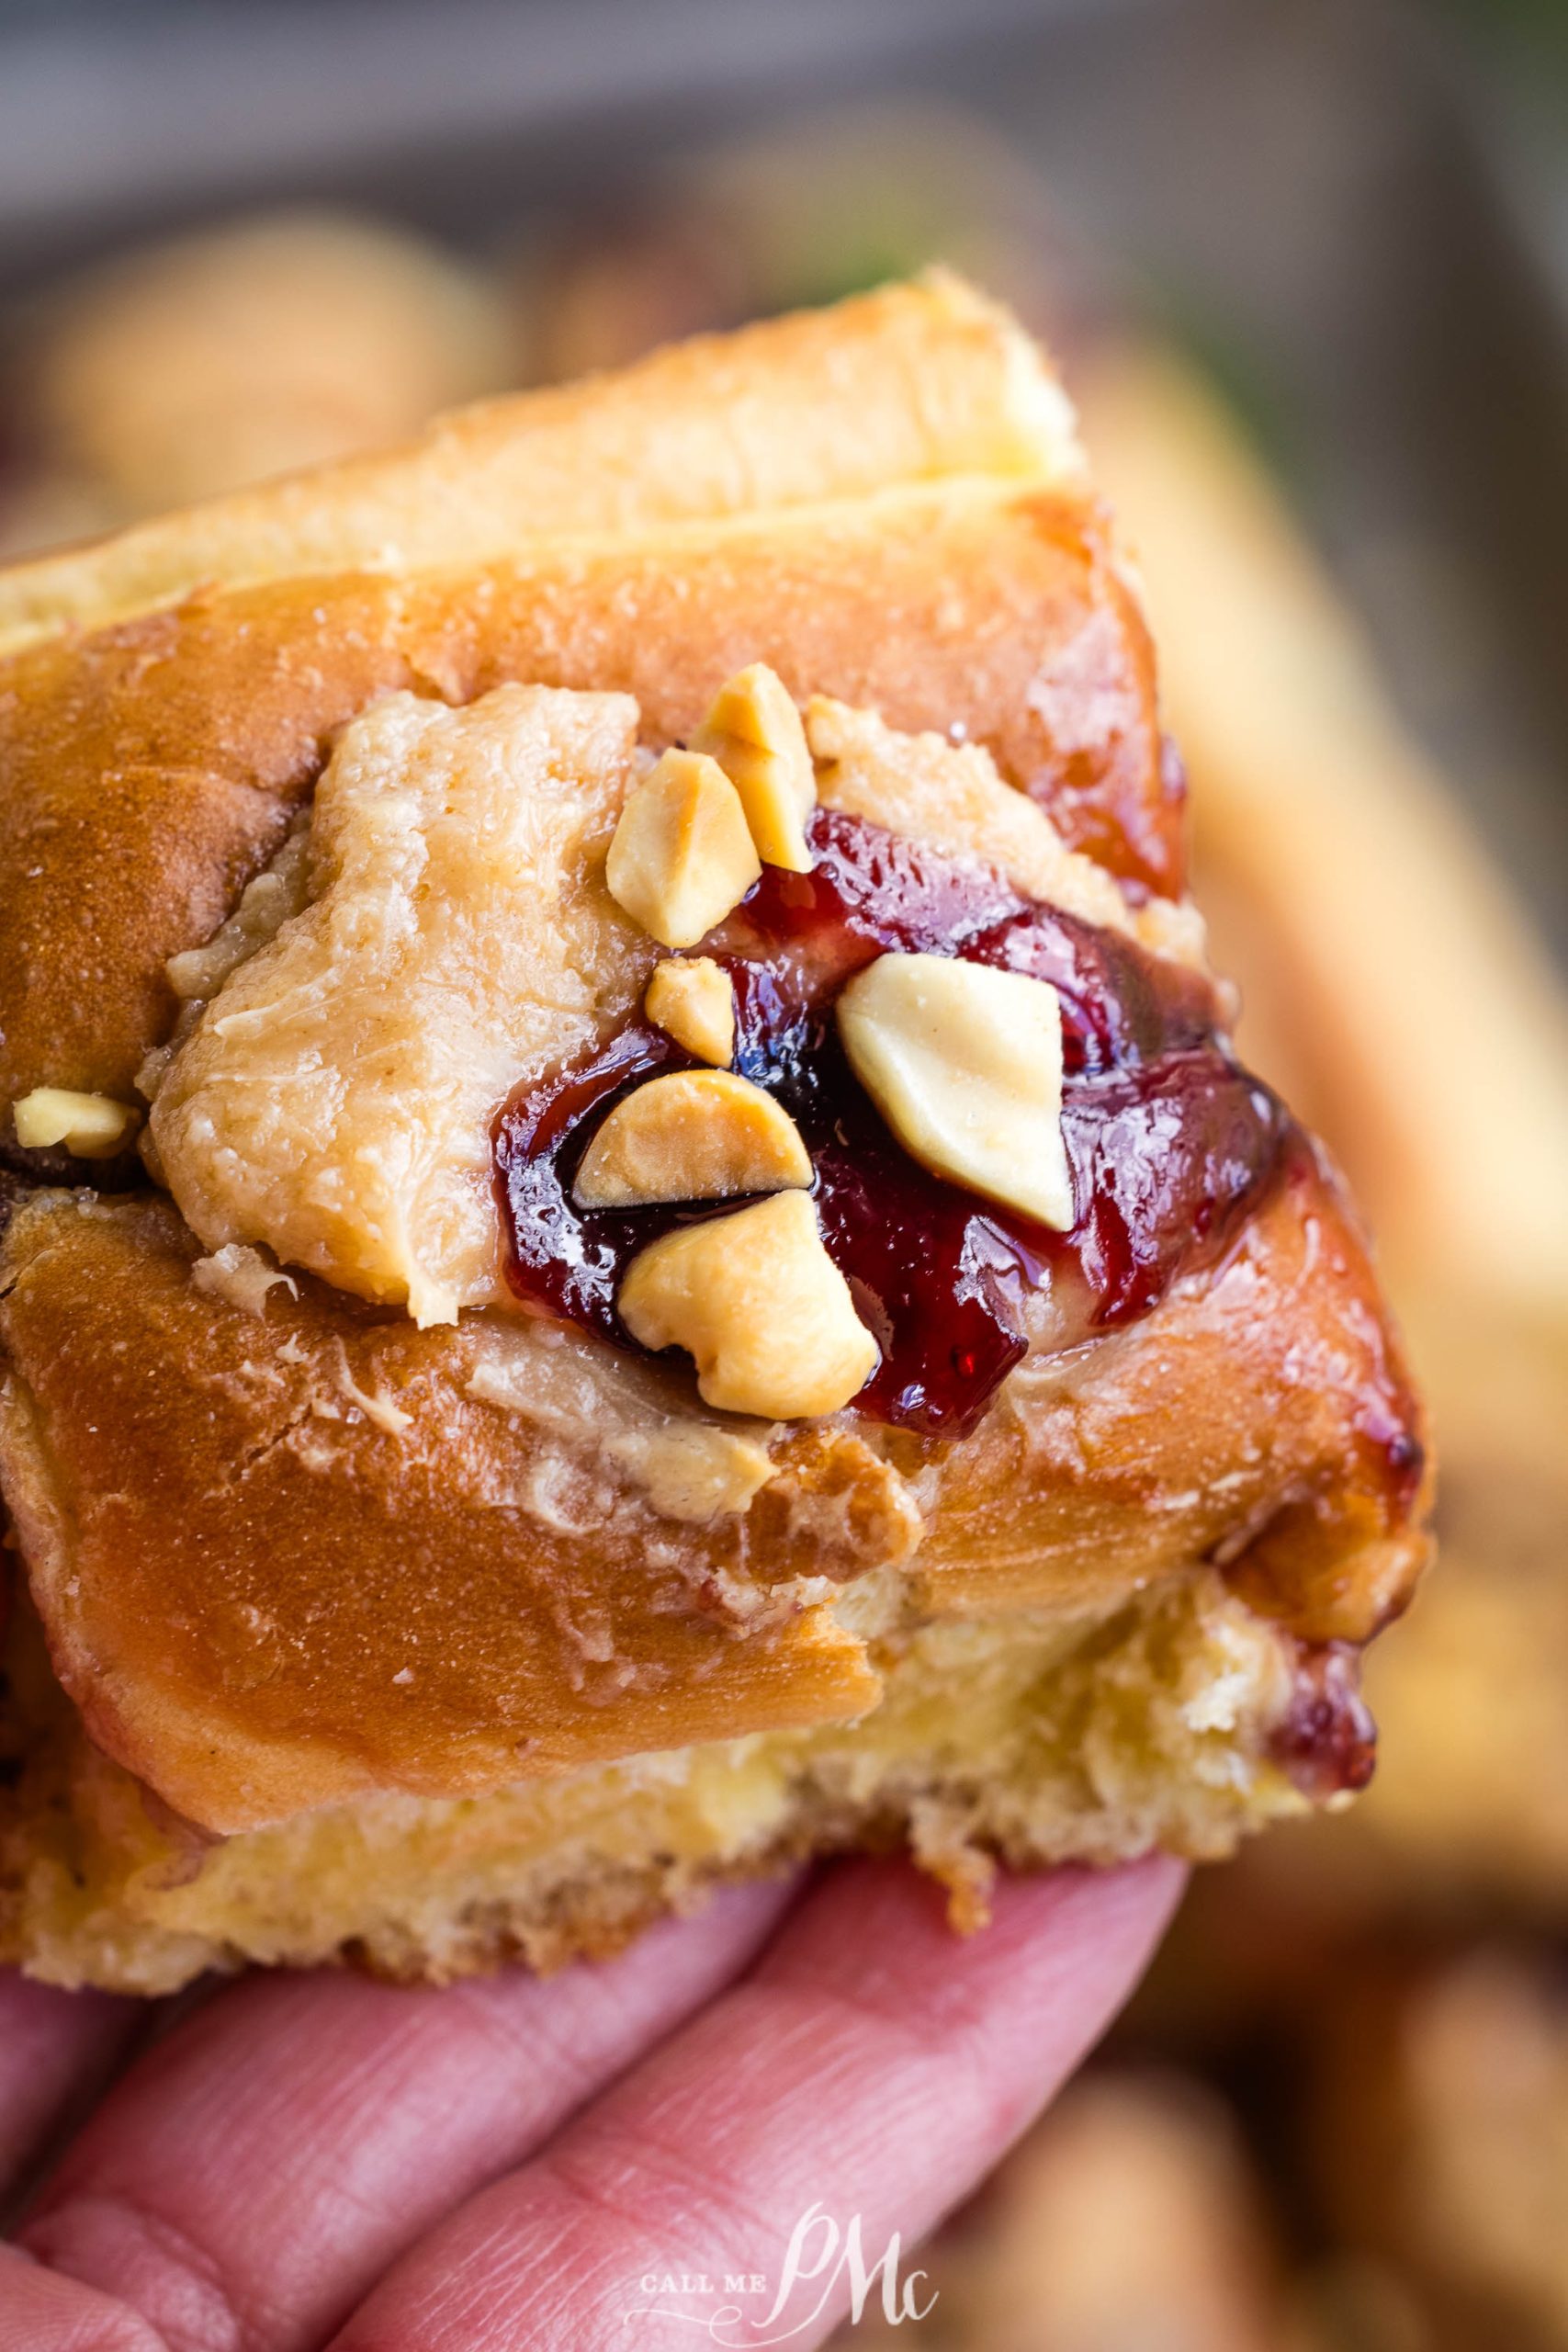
[1327, 1743]
[1139, 837]
[1169, 1142]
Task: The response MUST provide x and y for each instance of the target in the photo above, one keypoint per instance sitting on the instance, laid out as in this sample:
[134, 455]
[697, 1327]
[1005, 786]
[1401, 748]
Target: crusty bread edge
[928, 378]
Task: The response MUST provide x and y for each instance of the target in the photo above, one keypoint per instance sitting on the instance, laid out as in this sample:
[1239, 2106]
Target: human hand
[305, 2161]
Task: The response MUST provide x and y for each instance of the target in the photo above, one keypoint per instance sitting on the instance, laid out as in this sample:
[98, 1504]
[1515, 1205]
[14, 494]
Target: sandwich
[633, 1246]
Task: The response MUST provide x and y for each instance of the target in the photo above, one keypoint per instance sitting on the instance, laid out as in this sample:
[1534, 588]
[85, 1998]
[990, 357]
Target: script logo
[819, 2256]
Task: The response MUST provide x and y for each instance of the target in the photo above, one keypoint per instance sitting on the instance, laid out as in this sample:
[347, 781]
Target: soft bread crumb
[1023, 1736]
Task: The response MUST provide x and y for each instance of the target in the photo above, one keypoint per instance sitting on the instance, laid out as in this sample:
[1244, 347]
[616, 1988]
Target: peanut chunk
[965, 1063]
[93, 1126]
[701, 1134]
[693, 1470]
[757, 1303]
[756, 734]
[692, 1000]
[681, 855]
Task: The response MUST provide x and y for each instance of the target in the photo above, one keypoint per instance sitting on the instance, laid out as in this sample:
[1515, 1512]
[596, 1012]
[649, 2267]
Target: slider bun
[486, 1637]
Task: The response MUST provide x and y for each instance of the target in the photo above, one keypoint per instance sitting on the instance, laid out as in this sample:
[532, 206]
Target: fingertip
[886, 1918]
[56, 2049]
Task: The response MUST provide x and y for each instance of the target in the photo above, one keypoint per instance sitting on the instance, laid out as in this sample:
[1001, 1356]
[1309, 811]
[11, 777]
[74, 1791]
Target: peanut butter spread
[333, 1100]
[447, 928]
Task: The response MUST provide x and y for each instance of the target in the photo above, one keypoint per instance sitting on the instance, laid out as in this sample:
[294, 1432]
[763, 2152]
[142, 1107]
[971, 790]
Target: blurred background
[1304, 264]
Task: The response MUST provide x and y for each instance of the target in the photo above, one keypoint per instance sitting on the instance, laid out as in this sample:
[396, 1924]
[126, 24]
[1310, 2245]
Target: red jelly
[1328, 1742]
[1169, 1141]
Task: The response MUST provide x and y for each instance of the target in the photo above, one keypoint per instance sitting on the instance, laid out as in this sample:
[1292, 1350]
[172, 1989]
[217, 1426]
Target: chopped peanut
[681, 855]
[693, 1470]
[692, 1000]
[93, 1126]
[755, 733]
[700, 1134]
[965, 1063]
[757, 1301]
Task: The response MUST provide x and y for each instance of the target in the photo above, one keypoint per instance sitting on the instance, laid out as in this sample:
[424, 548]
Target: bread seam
[912, 343]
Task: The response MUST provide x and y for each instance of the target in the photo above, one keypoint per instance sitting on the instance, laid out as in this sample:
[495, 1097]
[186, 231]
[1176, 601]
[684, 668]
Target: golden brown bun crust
[261, 1600]
[146, 772]
[304, 1557]
[905, 385]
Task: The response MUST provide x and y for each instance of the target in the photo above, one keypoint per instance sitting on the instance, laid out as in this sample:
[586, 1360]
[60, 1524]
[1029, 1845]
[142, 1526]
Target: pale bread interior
[1024, 1736]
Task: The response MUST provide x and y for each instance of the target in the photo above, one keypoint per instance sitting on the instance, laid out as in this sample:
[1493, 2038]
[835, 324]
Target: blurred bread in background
[827, 205]
[1131, 2220]
[1440, 2137]
[280, 341]
[1391, 982]
[1388, 975]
